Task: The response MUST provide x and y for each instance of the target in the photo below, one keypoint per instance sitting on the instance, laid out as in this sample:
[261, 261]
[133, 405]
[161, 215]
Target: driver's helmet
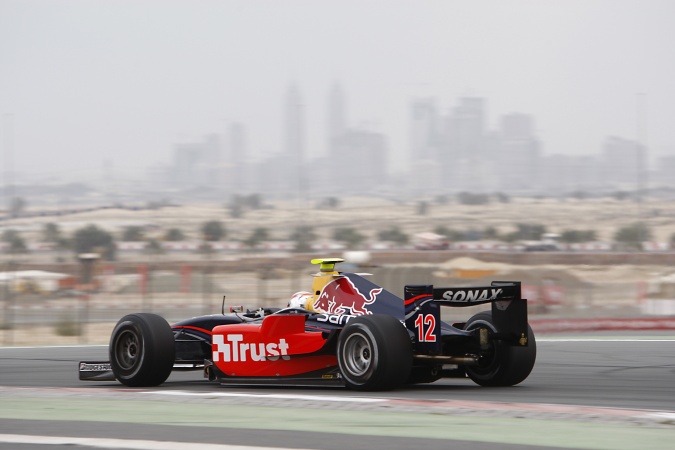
[302, 299]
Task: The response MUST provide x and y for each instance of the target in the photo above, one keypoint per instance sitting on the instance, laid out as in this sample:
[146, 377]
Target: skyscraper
[337, 118]
[424, 133]
[295, 133]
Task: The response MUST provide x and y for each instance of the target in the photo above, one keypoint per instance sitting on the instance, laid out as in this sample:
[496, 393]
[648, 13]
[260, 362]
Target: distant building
[663, 175]
[236, 167]
[337, 117]
[360, 162]
[294, 148]
[196, 163]
[566, 174]
[621, 163]
[464, 148]
[518, 154]
[424, 130]
[425, 144]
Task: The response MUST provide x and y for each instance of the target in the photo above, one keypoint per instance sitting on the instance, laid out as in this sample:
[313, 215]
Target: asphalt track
[595, 391]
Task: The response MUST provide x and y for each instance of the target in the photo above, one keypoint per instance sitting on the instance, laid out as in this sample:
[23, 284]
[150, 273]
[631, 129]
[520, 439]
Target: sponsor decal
[232, 348]
[335, 319]
[341, 296]
[470, 295]
[94, 367]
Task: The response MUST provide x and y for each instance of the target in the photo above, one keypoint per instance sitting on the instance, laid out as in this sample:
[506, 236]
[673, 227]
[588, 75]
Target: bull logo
[341, 296]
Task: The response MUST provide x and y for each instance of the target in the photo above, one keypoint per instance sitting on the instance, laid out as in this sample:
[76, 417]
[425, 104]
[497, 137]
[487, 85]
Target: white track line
[128, 444]
[320, 398]
[647, 339]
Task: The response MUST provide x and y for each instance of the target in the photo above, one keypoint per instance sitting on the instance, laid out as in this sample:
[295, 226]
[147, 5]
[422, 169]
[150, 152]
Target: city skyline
[91, 85]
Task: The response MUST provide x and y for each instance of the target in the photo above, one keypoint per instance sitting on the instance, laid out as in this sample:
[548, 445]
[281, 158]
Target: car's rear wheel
[501, 364]
[142, 350]
[374, 353]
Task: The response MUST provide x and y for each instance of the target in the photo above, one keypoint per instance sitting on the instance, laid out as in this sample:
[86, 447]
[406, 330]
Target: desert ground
[371, 215]
[620, 288]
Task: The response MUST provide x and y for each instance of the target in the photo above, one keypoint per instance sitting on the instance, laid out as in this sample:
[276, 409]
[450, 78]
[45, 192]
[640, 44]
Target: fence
[185, 290]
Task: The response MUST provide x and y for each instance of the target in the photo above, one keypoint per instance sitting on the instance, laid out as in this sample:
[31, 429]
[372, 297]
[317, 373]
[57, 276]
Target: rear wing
[469, 296]
[509, 309]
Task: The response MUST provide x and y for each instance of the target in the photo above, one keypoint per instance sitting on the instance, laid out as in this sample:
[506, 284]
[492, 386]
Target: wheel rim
[487, 362]
[127, 350]
[358, 354]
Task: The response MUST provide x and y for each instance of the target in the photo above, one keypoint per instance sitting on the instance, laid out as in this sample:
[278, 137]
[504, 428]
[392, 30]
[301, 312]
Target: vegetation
[240, 203]
[632, 236]
[213, 230]
[349, 236]
[621, 195]
[17, 206]
[15, 241]
[574, 236]
[153, 247]
[490, 233]
[449, 233]
[68, 327]
[303, 236]
[502, 198]
[329, 203]
[51, 232]
[133, 233]
[468, 198]
[174, 234]
[422, 208]
[393, 234]
[257, 236]
[529, 231]
[92, 239]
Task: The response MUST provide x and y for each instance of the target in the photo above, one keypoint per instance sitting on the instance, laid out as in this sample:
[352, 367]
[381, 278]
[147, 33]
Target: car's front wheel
[374, 353]
[142, 350]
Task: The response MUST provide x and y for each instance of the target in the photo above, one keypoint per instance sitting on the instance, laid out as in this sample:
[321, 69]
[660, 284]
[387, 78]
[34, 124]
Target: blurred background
[159, 156]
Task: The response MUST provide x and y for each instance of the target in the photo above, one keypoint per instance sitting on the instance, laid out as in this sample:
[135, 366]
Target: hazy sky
[86, 81]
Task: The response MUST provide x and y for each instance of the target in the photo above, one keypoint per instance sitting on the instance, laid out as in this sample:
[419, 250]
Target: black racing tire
[374, 353]
[501, 364]
[142, 350]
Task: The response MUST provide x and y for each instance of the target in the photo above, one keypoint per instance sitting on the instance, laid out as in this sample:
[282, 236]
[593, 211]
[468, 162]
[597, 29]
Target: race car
[347, 331]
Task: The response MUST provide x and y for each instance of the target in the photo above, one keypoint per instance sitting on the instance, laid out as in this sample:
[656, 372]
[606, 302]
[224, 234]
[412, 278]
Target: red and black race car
[348, 331]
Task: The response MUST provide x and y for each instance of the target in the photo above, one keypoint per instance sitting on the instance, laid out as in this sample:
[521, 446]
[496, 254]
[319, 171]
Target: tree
[620, 195]
[349, 236]
[632, 236]
[51, 232]
[236, 211]
[329, 203]
[490, 232]
[502, 197]
[133, 233]
[422, 208]
[92, 239]
[450, 234]
[530, 231]
[467, 198]
[393, 234]
[16, 206]
[574, 236]
[15, 241]
[303, 236]
[257, 236]
[174, 234]
[213, 230]
[153, 247]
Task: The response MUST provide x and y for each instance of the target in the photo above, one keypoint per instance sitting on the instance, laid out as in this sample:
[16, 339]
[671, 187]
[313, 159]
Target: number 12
[430, 321]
